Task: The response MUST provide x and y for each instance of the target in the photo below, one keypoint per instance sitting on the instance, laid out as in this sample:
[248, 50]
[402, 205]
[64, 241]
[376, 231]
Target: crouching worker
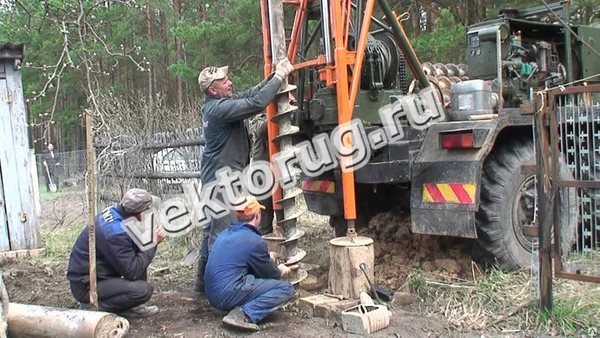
[121, 266]
[241, 277]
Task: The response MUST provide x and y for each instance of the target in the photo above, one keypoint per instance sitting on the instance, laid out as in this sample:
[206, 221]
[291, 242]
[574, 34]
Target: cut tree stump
[345, 276]
[29, 321]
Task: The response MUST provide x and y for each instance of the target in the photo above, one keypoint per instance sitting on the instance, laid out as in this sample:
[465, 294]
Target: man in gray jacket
[226, 136]
[260, 152]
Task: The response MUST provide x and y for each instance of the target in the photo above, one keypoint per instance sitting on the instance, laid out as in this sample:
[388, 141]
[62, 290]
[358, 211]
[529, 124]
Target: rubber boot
[199, 282]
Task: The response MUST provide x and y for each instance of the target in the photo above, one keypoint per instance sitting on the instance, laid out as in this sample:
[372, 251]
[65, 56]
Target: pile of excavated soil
[398, 251]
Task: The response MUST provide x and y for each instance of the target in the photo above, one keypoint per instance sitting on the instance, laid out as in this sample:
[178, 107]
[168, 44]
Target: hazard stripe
[461, 193]
[320, 186]
[325, 186]
[426, 195]
[435, 193]
[456, 193]
[447, 193]
[470, 189]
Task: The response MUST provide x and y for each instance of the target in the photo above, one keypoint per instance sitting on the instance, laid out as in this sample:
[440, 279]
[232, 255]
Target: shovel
[363, 267]
[376, 289]
[51, 184]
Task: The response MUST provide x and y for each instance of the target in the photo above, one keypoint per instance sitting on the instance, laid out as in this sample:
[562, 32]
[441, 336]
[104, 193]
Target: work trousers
[266, 223]
[256, 296]
[210, 232]
[115, 294]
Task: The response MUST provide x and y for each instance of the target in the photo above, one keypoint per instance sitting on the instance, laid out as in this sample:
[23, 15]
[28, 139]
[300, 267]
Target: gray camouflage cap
[209, 74]
[137, 200]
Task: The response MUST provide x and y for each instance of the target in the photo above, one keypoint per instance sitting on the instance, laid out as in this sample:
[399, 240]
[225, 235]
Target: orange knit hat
[248, 208]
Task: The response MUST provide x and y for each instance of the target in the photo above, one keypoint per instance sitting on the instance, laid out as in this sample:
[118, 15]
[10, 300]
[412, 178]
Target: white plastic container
[472, 97]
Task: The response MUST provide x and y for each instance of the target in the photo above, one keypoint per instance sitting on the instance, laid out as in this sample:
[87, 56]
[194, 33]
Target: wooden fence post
[544, 209]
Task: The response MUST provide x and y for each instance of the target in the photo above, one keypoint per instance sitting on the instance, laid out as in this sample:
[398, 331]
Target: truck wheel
[508, 203]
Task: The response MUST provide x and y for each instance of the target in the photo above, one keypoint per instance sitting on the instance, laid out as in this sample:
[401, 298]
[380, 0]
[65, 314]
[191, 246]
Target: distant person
[226, 135]
[240, 275]
[121, 266]
[51, 165]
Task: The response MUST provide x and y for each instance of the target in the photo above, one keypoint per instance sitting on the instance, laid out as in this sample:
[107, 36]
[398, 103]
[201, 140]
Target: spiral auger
[288, 225]
[286, 231]
[444, 76]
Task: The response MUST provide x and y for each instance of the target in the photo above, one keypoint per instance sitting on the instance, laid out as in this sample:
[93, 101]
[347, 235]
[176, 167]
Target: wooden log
[345, 276]
[22, 253]
[41, 321]
[3, 307]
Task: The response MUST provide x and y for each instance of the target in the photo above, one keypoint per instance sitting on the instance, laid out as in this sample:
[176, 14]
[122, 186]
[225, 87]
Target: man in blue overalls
[121, 266]
[240, 275]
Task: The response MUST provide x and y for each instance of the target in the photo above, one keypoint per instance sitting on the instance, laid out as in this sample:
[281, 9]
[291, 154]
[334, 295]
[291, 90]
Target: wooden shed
[18, 218]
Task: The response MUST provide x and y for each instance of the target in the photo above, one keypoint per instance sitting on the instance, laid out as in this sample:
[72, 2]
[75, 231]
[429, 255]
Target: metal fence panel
[160, 166]
[70, 172]
[575, 171]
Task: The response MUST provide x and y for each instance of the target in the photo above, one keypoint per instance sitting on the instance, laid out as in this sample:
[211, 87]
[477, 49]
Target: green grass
[571, 315]
[170, 252]
[503, 302]
[49, 196]
[416, 281]
[58, 241]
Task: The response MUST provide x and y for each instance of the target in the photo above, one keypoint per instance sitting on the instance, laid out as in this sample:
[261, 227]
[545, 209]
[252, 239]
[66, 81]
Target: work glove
[276, 257]
[284, 270]
[283, 69]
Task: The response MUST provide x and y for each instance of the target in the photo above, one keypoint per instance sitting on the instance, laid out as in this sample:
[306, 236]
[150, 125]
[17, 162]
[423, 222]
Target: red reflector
[457, 140]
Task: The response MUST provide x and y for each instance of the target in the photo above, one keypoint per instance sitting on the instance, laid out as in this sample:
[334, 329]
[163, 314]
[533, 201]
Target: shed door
[18, 221]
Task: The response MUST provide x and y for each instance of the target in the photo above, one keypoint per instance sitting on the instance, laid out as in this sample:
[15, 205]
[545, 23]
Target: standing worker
[260, 152]
[121, 266]
[240, 275]
[51, 164]
[226, 136]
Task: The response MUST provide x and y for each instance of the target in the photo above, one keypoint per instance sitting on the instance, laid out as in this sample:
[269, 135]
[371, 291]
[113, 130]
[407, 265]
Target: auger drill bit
[291, 233]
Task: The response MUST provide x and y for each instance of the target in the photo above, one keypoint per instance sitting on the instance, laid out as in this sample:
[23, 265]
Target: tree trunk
[166, 83]
[345, 275]
[150, 32]
[416, 19]
[178, 57]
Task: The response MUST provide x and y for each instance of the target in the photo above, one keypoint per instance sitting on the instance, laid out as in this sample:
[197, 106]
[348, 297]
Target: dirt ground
[183, 314]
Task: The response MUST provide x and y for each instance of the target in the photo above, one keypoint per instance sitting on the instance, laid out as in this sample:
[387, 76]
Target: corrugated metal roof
[11, 51]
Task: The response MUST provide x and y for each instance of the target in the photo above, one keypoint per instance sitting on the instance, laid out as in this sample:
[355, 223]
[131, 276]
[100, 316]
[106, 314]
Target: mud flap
[446, 182]
[323, 194]
[443, 222]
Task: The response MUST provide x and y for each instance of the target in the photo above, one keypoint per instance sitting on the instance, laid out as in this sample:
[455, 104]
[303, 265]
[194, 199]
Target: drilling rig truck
[464, 165]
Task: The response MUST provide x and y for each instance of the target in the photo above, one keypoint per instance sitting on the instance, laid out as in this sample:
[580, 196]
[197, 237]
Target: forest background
[140, 55]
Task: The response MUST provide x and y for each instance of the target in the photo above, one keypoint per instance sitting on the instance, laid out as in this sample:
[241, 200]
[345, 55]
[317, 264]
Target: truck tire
[508, 202]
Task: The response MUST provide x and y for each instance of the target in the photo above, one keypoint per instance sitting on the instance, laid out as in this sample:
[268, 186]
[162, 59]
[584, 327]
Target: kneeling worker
[241, 277]
[121, 265]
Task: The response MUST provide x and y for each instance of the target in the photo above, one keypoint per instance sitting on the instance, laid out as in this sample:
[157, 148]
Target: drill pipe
[286, 131]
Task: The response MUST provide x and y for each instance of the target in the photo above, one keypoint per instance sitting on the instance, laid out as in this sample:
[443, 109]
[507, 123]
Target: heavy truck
[469, 170]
